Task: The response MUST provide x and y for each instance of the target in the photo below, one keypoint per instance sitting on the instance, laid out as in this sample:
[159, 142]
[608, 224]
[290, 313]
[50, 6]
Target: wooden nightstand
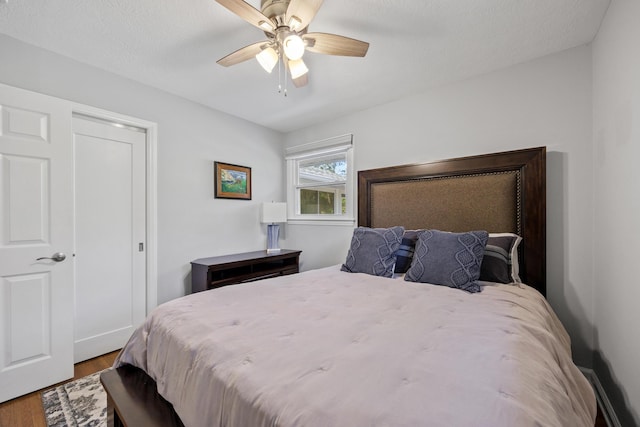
[214, 272]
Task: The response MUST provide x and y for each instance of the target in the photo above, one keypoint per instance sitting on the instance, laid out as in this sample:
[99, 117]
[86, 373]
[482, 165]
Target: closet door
[110, 261]
[36, 237]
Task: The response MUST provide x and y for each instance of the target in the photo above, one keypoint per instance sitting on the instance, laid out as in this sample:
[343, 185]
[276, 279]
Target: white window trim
[343, 143]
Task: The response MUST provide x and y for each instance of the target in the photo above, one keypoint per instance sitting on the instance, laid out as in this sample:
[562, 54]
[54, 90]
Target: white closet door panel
[26, 125]
[110, 269]
[25, 199]
[24, 301]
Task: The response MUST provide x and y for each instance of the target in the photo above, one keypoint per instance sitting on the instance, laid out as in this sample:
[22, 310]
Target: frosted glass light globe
[293, 47]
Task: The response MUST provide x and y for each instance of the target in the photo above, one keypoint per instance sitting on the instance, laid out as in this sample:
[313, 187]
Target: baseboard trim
[601, 396]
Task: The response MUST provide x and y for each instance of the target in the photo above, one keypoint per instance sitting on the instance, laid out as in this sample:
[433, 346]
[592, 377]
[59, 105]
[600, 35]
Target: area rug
[79, 403]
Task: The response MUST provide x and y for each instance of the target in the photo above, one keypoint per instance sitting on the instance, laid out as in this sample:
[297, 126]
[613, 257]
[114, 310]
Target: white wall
[543, 102]
[616, 130]
[191, 223]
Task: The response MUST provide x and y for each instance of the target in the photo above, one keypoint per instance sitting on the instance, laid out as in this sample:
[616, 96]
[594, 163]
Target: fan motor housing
[275, 10]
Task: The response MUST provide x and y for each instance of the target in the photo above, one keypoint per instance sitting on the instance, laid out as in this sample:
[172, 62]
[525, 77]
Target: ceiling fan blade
[333, 44]
[304, 11]
[242, 54]
[301, 81]
[249, 13]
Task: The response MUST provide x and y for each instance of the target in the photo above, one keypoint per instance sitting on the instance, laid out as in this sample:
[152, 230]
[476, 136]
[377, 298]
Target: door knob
[57, 257]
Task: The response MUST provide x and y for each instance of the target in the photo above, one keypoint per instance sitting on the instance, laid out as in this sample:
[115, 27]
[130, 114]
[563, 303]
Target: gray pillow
[500, 262]
[448, 259]
[373, 251]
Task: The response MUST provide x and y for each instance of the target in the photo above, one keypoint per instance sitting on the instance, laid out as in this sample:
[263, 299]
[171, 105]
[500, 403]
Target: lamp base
[273, 230]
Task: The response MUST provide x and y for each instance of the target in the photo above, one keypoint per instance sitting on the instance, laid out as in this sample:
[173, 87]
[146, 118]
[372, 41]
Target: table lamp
[273, 214]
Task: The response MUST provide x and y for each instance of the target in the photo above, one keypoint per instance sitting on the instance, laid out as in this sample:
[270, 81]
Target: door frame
[151, 157]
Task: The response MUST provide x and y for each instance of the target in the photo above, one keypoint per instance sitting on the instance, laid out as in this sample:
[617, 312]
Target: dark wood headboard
[499, 192]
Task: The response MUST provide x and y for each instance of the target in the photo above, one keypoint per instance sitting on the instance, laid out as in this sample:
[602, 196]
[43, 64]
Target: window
[320, 181]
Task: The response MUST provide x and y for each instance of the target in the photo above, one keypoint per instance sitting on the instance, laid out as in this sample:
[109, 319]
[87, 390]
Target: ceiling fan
[285, 23]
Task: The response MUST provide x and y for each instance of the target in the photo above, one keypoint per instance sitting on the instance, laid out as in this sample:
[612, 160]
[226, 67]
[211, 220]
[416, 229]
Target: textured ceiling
[173, 45]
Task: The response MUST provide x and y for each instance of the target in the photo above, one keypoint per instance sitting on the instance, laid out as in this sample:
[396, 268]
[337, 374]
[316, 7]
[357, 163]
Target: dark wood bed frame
[470, 184]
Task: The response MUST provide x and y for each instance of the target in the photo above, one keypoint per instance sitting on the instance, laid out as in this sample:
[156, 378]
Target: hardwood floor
[26, 411]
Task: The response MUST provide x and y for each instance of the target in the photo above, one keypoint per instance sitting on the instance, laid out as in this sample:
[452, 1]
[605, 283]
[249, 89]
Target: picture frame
[232, 181]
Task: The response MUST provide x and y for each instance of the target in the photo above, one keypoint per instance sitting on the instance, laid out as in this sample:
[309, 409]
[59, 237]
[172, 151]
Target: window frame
[302, 153]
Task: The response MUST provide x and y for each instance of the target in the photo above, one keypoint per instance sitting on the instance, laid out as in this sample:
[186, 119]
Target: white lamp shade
[297, 68]
[293, 47]
[268, 58]
[273, 213]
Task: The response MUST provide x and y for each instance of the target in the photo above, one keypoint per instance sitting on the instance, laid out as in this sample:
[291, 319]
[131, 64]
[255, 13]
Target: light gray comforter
[329, 348]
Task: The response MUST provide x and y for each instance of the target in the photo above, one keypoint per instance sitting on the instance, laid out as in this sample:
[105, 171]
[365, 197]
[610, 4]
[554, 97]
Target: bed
[329, 347]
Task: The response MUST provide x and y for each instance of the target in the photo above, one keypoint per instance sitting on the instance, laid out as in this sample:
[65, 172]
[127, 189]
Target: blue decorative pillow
[404, 256]
[500, 262]
[373, 251]
[448, 259]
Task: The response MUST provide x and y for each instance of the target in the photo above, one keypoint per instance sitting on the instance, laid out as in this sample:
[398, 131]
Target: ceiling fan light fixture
[268, 59]
[285, 23]
[297, 68]
[293, 46]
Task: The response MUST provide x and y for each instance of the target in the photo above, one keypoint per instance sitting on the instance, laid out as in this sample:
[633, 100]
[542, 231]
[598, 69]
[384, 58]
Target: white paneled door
[110, 263]
[73, 264]
[36, 242]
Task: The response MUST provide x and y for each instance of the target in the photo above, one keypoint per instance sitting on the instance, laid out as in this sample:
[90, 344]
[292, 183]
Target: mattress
[330, 348]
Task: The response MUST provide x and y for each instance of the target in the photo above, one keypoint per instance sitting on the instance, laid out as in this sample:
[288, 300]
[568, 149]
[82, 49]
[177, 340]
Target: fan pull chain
[280, 88]
[279, 73]
[285, 83]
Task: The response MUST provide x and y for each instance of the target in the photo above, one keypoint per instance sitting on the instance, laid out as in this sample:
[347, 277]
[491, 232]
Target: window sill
[344, 222]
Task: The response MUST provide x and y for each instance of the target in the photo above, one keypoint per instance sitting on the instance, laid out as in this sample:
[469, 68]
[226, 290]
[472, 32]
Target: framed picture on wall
[232, 181]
